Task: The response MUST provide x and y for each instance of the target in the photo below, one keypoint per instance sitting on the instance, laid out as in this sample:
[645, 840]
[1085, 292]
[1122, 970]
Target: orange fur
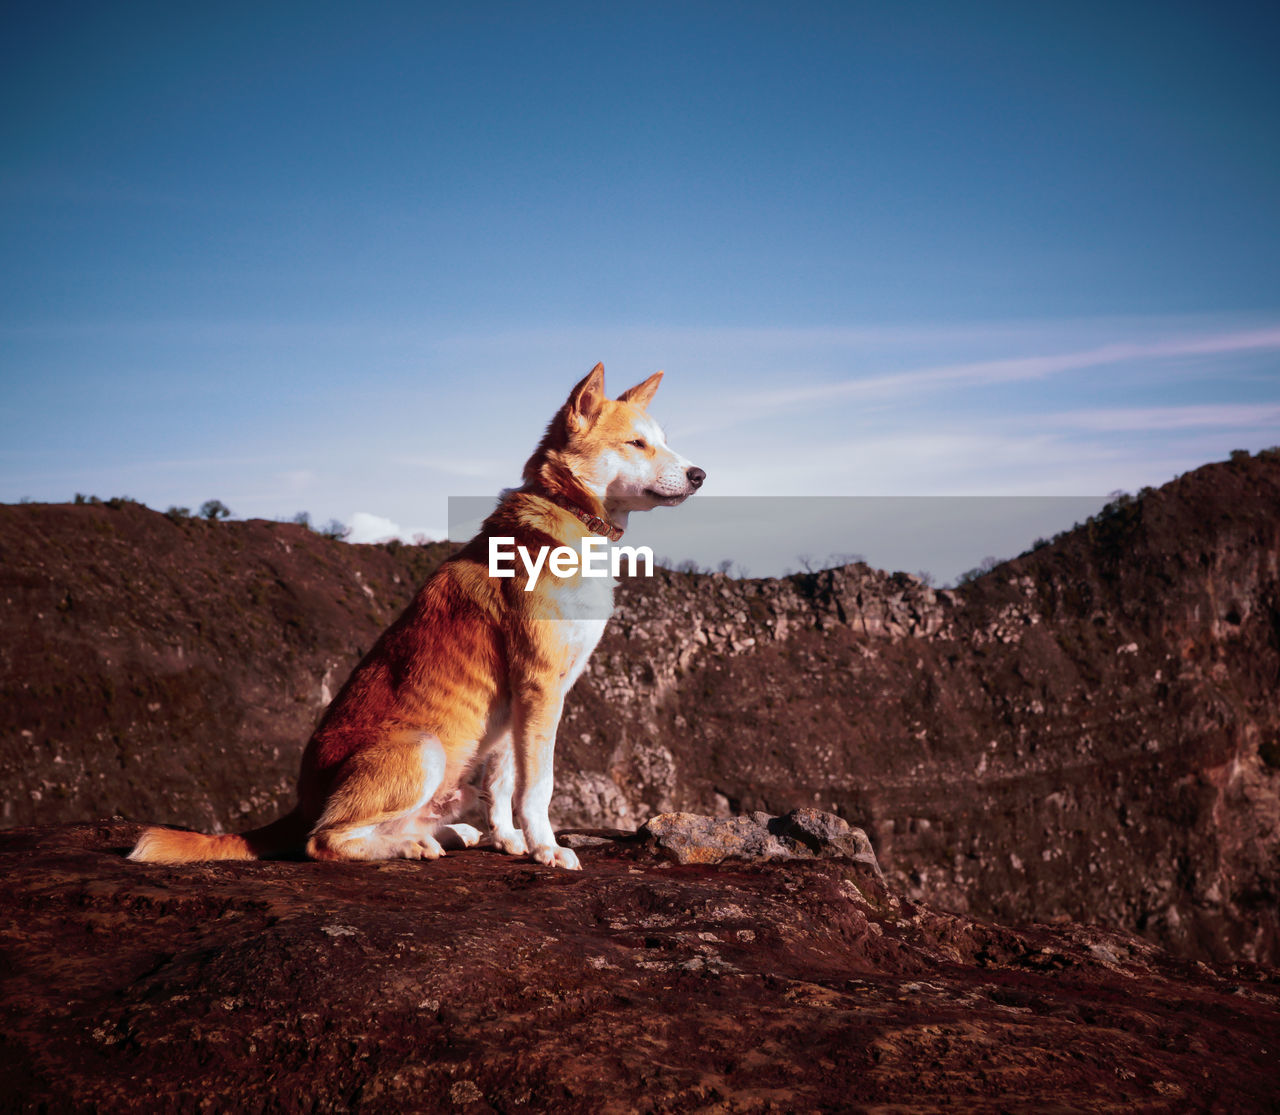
[475, 667]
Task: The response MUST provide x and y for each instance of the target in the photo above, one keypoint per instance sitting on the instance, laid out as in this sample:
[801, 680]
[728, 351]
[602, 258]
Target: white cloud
[367, 527]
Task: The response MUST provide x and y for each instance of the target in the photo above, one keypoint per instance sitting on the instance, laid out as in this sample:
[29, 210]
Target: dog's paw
[459, 836]
[552, 855]
[427, 847]
[511, 842]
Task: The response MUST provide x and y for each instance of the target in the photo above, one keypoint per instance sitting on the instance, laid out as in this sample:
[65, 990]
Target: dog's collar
[593, 523]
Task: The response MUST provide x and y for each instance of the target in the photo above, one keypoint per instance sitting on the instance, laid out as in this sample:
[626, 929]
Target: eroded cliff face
[175, 669]
[1089, 732]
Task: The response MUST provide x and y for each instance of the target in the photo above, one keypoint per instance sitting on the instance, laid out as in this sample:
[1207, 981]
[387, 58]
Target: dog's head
[614, 449]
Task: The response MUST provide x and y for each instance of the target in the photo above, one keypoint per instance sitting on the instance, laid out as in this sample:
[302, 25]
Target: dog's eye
[639, 443]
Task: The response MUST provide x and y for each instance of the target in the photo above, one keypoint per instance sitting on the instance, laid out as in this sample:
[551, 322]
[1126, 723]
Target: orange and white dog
[477, 667]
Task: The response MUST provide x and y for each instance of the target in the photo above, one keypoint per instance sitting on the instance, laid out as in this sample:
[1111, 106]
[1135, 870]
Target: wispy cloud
[468, 467]
[297, 479]
[1020, 368]
[1244, 416]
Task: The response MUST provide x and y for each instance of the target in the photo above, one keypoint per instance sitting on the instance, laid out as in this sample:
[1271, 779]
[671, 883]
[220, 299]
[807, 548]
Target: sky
[349, 259]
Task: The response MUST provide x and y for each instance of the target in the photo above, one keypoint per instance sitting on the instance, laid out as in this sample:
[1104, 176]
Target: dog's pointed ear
[585, 400]
[642, 393]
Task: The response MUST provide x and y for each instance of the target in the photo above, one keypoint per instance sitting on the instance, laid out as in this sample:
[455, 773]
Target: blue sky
[349, 258]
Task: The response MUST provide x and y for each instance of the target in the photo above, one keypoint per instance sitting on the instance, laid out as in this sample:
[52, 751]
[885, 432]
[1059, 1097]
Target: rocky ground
[707, 965]
[1089, 732]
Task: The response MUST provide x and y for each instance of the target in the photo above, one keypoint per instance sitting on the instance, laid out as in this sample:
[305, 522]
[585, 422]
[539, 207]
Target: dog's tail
[161, 845]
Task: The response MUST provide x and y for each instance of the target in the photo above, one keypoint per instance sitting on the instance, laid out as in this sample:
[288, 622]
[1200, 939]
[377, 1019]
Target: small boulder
[824, 835]
[800, 834]
[693, 838]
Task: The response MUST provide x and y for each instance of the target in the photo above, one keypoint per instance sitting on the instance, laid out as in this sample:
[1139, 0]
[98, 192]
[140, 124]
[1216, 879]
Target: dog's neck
[560, 486]
[606, 525]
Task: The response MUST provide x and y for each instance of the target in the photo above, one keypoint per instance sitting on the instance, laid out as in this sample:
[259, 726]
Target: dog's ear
[585, 400]
[642, 393]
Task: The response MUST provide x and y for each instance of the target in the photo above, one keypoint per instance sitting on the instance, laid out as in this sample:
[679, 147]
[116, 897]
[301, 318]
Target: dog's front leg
[535, 718]
[499, 788]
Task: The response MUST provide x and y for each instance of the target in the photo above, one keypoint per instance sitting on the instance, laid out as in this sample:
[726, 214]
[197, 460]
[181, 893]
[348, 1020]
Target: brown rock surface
[1088, 732]
[800, 834]
[483, 983]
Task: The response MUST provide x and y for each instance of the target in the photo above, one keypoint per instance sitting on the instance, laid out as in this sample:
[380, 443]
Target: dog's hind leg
[381, 808]
[439, 817]
[455, 836]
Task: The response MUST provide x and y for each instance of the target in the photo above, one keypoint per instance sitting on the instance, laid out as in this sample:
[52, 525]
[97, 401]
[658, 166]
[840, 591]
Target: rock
[489, 983]
[691, 838]
[586, 839]
[823, 834]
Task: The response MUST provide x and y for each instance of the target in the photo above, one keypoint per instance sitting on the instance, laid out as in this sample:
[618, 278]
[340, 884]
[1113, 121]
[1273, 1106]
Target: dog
[477, 667]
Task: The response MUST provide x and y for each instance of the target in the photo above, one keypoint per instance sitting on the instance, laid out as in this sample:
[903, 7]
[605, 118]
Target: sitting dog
[477, 667]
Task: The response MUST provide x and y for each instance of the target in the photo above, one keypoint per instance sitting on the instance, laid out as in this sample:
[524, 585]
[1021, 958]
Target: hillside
[1088, 732]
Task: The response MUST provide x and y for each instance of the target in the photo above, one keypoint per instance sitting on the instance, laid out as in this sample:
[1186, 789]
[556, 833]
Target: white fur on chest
[578, 637]
[585, 605]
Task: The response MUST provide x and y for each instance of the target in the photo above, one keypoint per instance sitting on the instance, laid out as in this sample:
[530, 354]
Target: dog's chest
[585, 608]
[578, 640]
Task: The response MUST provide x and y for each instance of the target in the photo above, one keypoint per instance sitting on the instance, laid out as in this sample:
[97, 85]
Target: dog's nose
[696, 477]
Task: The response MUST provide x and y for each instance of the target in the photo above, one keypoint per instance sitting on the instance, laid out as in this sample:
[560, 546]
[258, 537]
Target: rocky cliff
[1088, 732]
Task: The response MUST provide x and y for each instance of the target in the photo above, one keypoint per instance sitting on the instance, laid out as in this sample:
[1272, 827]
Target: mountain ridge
[1098, 711]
